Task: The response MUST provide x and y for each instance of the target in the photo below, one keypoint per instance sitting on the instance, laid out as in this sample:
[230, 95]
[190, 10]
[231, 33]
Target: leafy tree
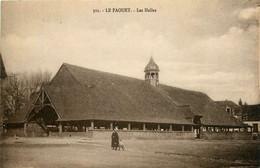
[17, 89]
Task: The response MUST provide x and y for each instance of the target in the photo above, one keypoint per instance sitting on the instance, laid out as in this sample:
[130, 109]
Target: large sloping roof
[83, 94]
[105, 96]
[202, 104]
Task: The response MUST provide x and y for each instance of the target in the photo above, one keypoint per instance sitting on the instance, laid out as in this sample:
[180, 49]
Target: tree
[34, 81]
[240, 102]
[17, 89]
[13, 95]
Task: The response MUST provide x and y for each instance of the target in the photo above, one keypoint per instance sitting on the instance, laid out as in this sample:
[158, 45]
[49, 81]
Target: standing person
[115, 139]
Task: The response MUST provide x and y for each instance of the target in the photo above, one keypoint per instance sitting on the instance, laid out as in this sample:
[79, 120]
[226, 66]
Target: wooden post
[238, 129]
[129, 126]
[246, 129]
[24, 129]
[191, 128]
[60, 128]
[171, 127]
[251, 129]
[182, 128]
[158, 128]
[111, 126]
[144, 126]
[92, 124]
[214, 129]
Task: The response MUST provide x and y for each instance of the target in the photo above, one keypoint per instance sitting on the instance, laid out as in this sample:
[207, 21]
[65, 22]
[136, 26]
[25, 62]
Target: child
[121, 145]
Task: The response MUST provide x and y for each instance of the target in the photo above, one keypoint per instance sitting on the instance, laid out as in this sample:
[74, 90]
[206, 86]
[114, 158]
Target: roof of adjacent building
[20, 115]
[151, 66]
[227, 103]
[201, 104]
[3, 72]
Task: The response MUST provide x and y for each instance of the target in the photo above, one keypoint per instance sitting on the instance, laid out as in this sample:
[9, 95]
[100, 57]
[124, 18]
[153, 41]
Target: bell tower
[152, 73]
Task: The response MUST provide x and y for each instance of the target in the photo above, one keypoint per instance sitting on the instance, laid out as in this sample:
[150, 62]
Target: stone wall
[226, 135]
[34, 130]
[133, 134]
[14, 132]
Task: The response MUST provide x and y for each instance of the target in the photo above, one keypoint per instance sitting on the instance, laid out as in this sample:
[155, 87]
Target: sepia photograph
[130, 84]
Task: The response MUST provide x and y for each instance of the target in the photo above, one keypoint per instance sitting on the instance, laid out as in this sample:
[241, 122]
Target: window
[228, 109]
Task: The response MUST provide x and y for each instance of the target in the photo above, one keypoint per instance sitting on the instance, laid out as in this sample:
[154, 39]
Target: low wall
[226, 135]
[14, 132]
[34, 130]
[31, 130]
[133, 134]
[72, 134]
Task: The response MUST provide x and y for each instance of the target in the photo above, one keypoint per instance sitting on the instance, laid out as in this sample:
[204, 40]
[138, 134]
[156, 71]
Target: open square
[82, 152]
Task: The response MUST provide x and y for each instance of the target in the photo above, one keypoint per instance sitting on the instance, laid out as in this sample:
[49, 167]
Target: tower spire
[152, 72]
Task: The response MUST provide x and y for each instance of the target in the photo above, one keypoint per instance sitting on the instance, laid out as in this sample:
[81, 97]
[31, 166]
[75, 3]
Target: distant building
[251, 116]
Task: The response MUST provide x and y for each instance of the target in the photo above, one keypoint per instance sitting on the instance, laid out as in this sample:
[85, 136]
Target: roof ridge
[100, 71]
[132, 78]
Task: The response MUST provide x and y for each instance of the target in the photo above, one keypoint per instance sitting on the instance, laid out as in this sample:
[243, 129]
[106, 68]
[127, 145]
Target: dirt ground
[78, 152]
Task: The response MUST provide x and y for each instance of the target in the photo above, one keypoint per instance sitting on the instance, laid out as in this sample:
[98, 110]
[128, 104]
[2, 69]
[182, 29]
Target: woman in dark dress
[115, 139]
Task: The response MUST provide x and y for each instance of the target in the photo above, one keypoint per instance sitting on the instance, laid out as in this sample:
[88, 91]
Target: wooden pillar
[246, 129]
[191, 128]
[171, 127]
[111, 126]
[92, 124]
[25, 129]
[214, 129]
[158, 128]
[182, 128]
[233, 130]
[129, 126]
[251, 129]
[60, 128]
[238, 129]
[144, 126]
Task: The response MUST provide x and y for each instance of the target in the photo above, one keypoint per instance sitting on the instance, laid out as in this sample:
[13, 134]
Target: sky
[210, 46]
